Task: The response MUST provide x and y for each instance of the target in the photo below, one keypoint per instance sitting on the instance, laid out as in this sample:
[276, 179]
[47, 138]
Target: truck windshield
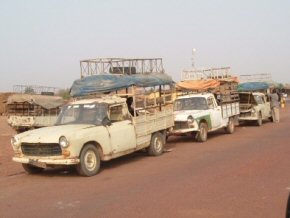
[82, 114]
[196, 103]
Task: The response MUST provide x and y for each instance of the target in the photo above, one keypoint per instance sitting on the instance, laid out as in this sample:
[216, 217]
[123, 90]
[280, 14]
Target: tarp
[47, 102]
[275, 85]
[110, 82]
[253, 86]
[198, 84]
[229, 80]
[205, 84]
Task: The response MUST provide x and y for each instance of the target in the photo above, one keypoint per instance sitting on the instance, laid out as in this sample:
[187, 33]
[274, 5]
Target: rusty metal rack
[34, 89]
[127, 66]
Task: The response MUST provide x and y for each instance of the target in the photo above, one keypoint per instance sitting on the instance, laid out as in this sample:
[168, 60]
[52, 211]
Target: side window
[210, 103]
[116, 113]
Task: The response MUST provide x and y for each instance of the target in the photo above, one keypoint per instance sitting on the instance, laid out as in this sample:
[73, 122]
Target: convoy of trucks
[135, 98]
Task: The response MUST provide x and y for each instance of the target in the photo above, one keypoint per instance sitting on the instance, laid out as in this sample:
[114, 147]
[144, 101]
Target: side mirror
[106, 121]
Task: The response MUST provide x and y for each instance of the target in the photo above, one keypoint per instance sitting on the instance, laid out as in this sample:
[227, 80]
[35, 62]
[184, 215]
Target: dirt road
[241, 175]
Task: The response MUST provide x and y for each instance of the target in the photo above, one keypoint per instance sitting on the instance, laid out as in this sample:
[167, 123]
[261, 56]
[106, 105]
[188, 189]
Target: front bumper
[183, 131]
[46, 161]
[248, 118]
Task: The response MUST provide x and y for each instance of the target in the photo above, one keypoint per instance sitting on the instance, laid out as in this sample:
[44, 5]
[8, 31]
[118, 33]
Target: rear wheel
[156, 146]
[32, 169]
[231, 126]
[260, 121]
[202, 134]
[90, 161]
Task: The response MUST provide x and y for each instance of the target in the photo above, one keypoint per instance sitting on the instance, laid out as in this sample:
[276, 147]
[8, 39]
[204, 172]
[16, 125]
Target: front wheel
[231, 126]
[32, 169]
[156, 145]
[202, 134]
[90, 161]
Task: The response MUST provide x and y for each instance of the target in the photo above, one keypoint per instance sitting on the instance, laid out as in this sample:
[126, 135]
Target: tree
[64, 93]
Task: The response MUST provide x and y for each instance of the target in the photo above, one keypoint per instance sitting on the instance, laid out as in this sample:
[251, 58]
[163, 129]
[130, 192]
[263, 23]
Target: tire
[260, 121]
[231, 126]
[90, 161]
[202, 134]
[156, 145]
[30, 169]
[271, 119]
[288, 207]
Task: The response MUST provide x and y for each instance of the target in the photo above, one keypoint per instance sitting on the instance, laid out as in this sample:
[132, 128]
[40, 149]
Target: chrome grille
[180, 125]
[41, 149]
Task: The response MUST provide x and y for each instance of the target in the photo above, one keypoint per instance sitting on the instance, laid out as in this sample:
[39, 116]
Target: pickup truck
[97, 127]
[200, 113]
[254, 106]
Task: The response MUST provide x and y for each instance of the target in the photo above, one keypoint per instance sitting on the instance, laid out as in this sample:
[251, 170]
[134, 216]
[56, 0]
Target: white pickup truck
[254, 106]
[90, 131]
[199, 114]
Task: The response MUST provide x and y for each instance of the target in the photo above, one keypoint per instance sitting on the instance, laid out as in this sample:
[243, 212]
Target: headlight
[253, 111]
[63, 142]
[190, 121]
[15, 142]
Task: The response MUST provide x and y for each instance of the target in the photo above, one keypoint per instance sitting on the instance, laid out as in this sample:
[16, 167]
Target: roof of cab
[252, 93]
[104, 99]
[203, 95]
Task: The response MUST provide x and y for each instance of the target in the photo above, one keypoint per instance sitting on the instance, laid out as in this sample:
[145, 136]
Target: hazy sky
[41, 42]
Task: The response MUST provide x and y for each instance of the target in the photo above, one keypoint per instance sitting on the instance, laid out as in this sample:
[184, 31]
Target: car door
[267, 108]
[121, 131]
[215, 113]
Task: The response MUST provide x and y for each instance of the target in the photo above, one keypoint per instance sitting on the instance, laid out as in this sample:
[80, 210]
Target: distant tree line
[64, 93]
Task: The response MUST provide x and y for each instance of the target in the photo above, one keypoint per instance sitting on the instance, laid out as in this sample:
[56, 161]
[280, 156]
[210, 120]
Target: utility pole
[193, 60]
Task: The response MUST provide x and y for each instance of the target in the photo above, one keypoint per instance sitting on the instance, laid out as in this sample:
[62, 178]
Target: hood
[52, 134]
[184, 114]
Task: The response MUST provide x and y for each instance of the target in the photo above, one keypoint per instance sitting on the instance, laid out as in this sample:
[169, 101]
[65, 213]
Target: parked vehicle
[31, 111]
[254, 106]
[98, 127]
[199, 114]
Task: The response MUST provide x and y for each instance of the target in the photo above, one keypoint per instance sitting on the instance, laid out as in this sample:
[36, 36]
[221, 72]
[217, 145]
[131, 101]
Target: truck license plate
[37, 163]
